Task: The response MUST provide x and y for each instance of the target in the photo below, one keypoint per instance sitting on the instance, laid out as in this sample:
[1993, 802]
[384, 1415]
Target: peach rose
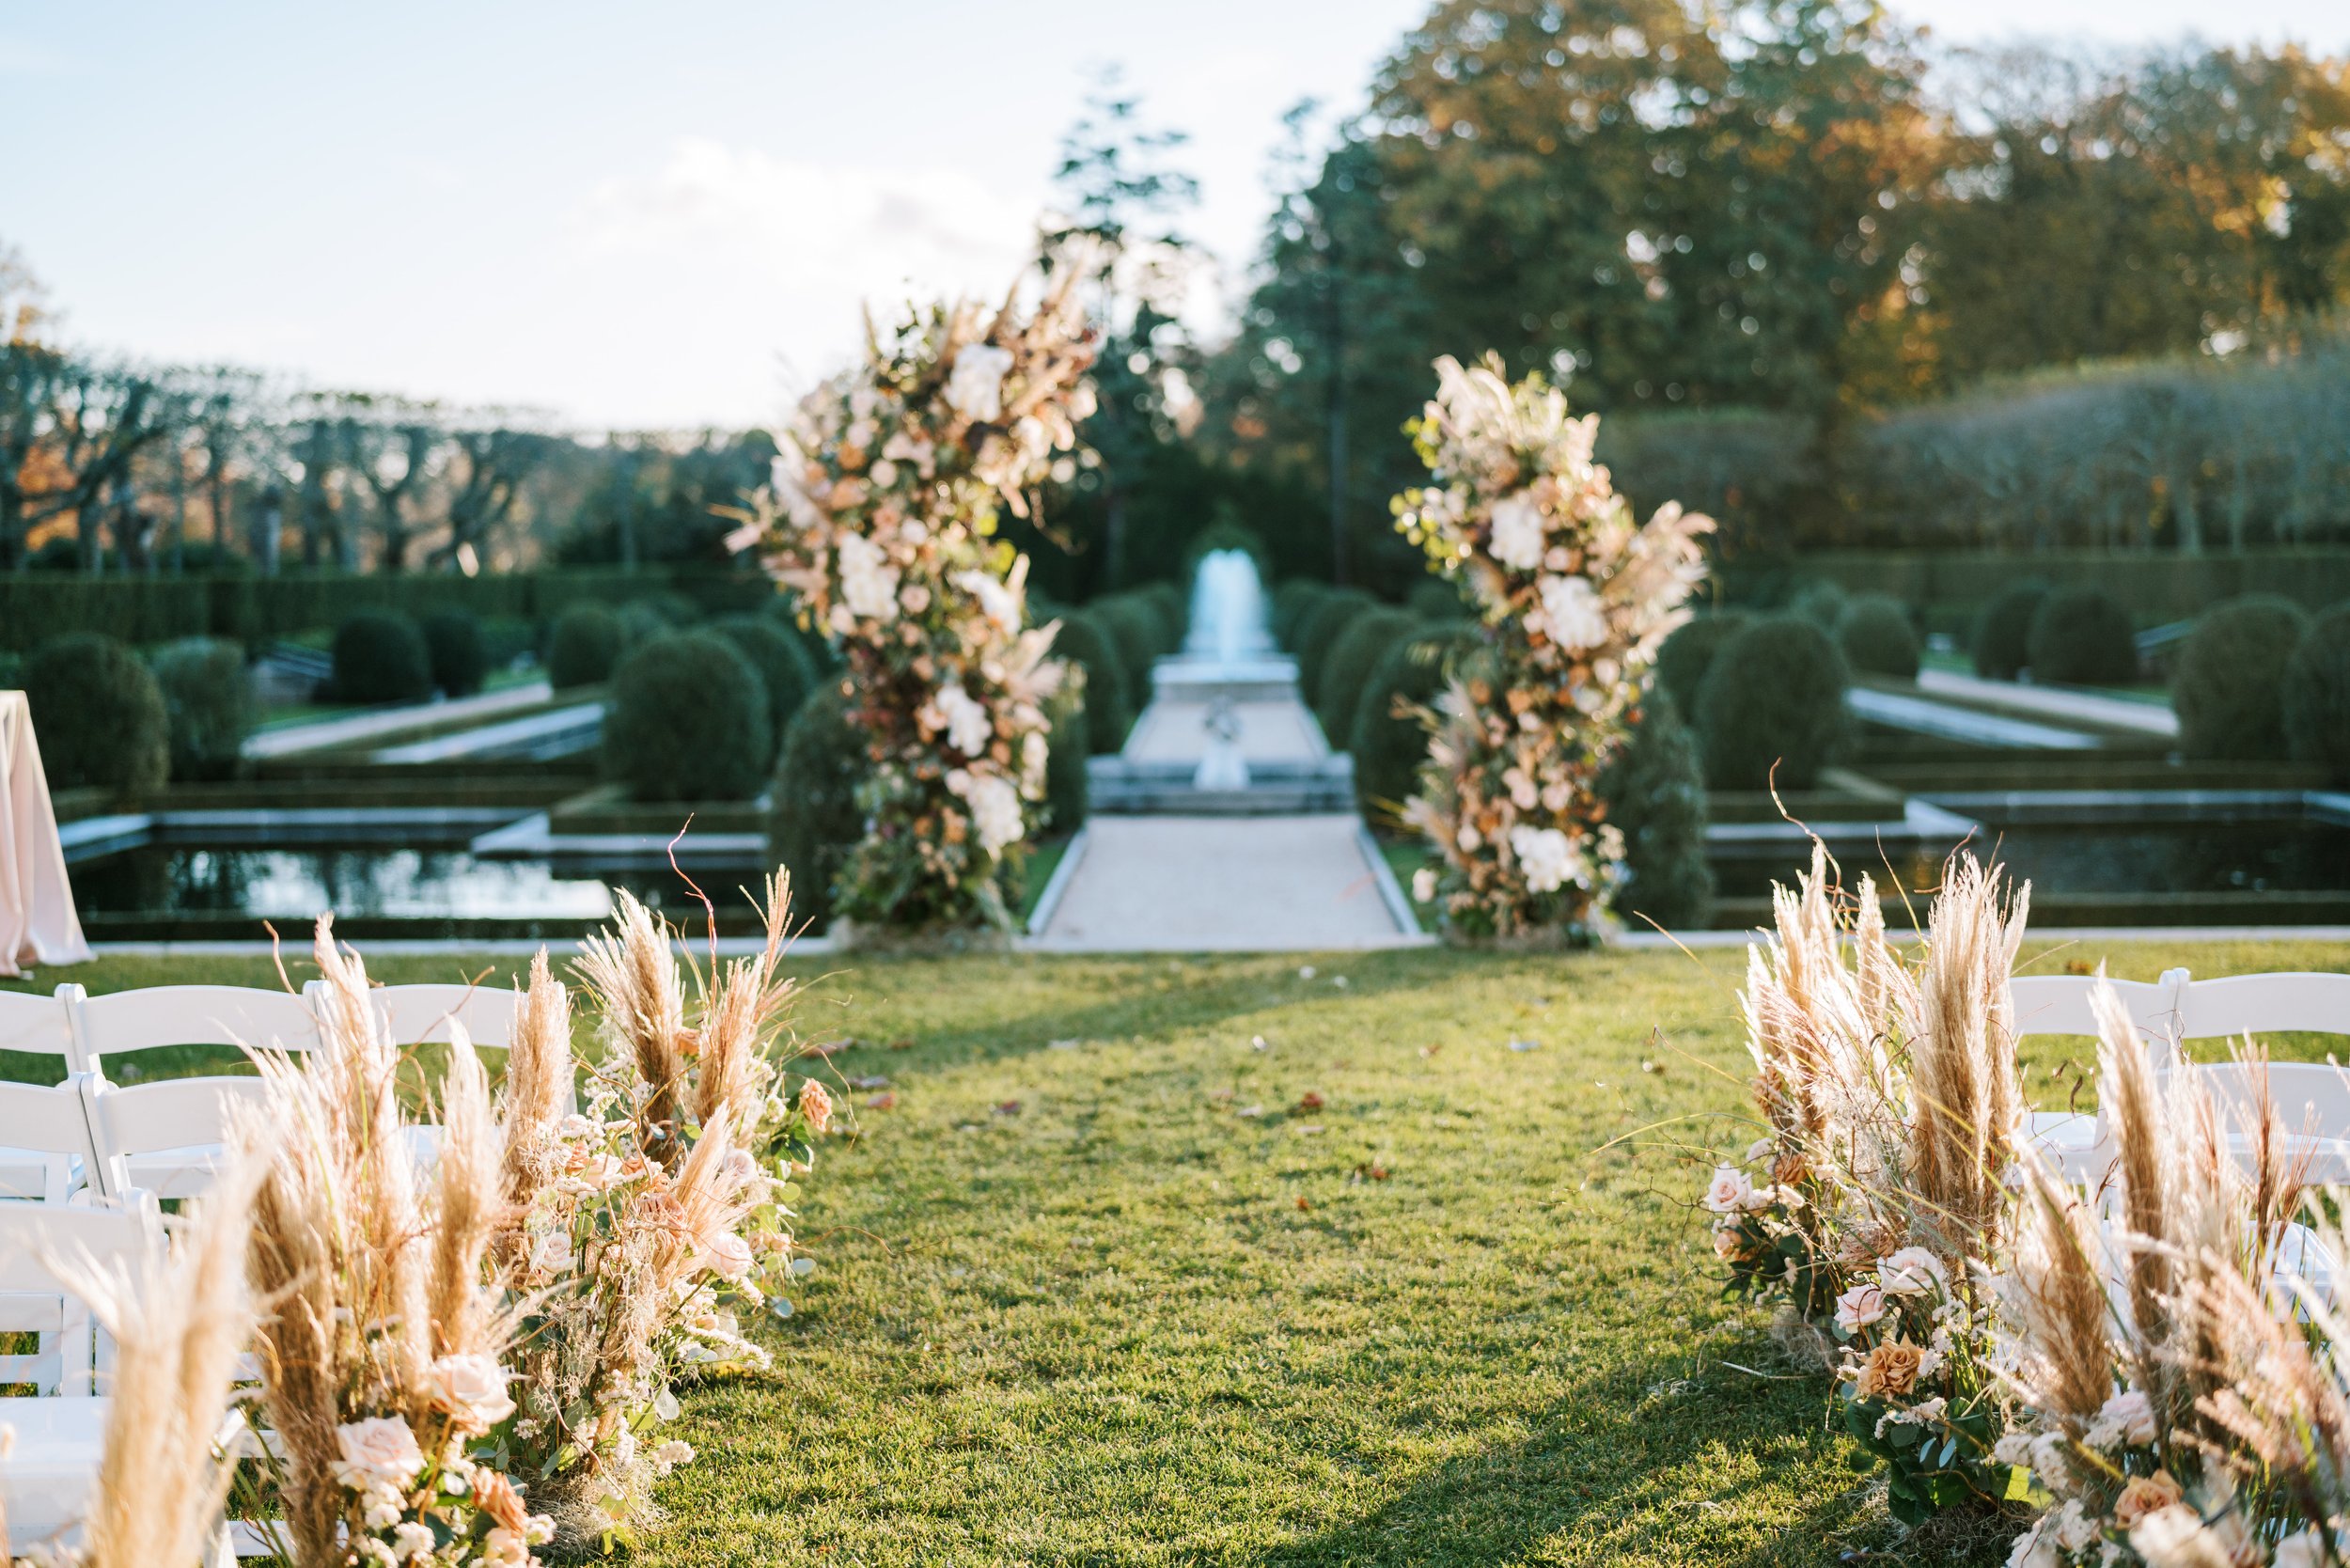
[1891, 1369]
[471, 1389]
[495, 1496]
[380, 1450]
[816, 1104]
[2146, 1494]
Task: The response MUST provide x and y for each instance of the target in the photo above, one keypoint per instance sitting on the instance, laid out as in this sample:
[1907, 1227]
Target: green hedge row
[146, 610]
[2156, 588]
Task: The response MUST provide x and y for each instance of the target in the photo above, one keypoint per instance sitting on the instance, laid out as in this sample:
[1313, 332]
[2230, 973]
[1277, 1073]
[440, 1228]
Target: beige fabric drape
[38, 925]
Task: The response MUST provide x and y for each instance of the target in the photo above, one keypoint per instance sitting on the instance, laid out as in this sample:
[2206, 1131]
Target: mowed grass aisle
[1076, 1304]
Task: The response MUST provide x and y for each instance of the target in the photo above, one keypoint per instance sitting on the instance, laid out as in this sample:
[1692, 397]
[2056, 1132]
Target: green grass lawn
[1102, 1286]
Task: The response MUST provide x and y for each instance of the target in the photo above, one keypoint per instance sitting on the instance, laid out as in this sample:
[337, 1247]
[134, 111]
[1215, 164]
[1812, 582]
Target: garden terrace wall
[37, 607]
[2156, 588]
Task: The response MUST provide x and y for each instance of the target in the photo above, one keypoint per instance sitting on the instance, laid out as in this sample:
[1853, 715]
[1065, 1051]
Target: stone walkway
[1176, 731]
[1222, 884]
[2056, 702]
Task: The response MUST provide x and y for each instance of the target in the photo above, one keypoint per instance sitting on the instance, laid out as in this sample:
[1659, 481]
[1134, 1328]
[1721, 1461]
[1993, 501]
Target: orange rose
[495, 1496]
[2146, 1494]
[1891, 1369]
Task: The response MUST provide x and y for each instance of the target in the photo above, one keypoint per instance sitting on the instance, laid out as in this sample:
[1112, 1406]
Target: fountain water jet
[1228, 652]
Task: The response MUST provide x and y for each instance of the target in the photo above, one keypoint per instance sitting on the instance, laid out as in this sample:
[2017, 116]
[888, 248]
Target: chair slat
[120, 1022]
[2312, 1003]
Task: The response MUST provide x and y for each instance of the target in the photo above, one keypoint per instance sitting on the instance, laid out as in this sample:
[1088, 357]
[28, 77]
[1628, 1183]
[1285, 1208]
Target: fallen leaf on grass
[1525, 1044]
[884, 1101]
[828, 1048]
[1007, 1108]
[1310, 1101]
[1302, 1205]
[1647, 1066]
[1310, 1129]
[871, 1080]
[1249, 1110]
[1219, 1094]
[1257, 1042]
[906, 1043]
[1427, 1051]
[1062, 1044]
[1370, 1170]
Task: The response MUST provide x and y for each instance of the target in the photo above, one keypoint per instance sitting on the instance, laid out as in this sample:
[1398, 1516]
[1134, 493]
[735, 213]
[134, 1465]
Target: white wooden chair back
[163, 1138]
[2283, 1003]
[45, 1136]
[120, 1022]
[37, 1025]
[34, 1301]
[417, 1013]
[2059, 1004]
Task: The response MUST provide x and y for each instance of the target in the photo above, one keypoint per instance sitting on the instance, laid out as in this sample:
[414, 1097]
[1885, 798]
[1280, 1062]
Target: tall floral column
[1575, 596]
[881, 514]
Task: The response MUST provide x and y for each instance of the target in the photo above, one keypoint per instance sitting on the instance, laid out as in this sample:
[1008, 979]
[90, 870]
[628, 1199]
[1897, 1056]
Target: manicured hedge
[1771, 713]
[2001, 638]
[587, 641]
[1877, 639]
[1320, 628]
[380, 657]
[208, 700]
[776, 654]
[1346, 669]
[1688, 653]
[815, 821]
[2317, 695]
[2082, 636]
[2157, 587]
[1389, 747]
[97, 716]
[1655, 794]
[688, 721]
[35, 606]
[458, 652]
[1108, 702]
[2229, 690]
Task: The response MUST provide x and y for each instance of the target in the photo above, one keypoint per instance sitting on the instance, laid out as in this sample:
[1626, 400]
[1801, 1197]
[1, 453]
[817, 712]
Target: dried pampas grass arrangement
[179, 1322]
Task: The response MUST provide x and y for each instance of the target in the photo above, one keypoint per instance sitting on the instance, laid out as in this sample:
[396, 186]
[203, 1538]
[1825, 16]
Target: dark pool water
[2210, 857]
[374, 880]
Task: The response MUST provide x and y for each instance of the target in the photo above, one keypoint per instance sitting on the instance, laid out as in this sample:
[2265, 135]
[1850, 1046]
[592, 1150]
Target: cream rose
[1727, 1192]
[377, 1452]
[1518, 532]
[975, 387]
[1859, 1307]
[471, 1389]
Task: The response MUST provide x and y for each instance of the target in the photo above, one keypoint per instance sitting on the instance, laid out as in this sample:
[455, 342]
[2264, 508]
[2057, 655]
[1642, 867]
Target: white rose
[1573, 614]
[1912, 1271]
[1518, 532]
[378, 1451]
[1547, 855]
[729, 1256]
[975, 387]
[1727, 1192]
[553, 1252]
[1425, 885]
[470, 1388]
[412, 1542]
[869, 582]
[2128, 1417]
[2302, 1549]
[994, 808]
[964, 719]
[996, 598]
[1859, 1307]
[669, 1456]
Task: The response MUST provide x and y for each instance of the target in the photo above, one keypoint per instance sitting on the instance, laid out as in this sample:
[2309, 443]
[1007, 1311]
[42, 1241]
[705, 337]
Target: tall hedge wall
[2156, 588]
[35, 608]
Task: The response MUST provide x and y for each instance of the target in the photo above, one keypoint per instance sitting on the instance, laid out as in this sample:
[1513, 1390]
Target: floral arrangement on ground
[1574, 598]
[882, 515]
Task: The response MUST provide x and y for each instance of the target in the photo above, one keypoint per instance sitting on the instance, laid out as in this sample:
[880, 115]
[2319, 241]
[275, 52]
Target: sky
[638, 216]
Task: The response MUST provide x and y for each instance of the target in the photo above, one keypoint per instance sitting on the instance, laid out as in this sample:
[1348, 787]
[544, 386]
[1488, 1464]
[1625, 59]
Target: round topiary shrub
[1134, 630]
[1173, 611]
[97, 716]
[687, 720]
[1437, 599]
[783, 669]
[2082, 636]
[816, 821]
[457, 652]
[1346, 669]
[1774, 700]
[1291, 603]
[1389, 748]
[381, 657]
[1656, 796]
[642, 622]
[2229, 688]
[2002, 639]
[2317, 695]
[506, 639]
[1877, 639]
[1320, 629]
[1067, 790]
[675, 610]
[1688, 653]
[209, 703]
[1822, 604]
[587, 642]
[1109, 712]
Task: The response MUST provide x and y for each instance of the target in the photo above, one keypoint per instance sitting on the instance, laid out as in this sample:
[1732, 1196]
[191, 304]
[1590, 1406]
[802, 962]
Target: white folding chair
[2060, 1004]
[122, 1022]
[165, 1138]
[32, 1300]
[416, 1014]
[48, 1131]
[2282, 1003]
[36, 1026]
[2311, 1099]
